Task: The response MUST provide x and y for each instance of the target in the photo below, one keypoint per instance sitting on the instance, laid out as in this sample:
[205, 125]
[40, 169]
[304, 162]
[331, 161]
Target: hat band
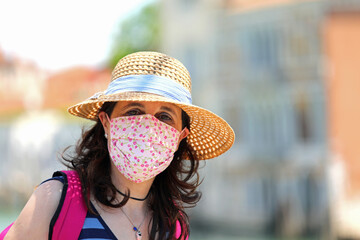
[150, 84]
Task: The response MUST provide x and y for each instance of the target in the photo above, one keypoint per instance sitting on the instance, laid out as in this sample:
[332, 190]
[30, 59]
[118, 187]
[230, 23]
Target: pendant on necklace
[137, 233]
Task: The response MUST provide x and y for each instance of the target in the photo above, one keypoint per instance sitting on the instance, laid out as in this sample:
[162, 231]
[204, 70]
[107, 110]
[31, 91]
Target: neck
[137, 190]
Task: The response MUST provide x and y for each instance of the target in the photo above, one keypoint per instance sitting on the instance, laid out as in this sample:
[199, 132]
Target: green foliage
[139, 32]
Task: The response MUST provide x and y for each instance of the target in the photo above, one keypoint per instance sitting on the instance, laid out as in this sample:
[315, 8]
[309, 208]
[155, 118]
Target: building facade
[262, 65]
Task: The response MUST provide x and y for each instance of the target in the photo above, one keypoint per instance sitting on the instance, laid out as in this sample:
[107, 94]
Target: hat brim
[210, 135]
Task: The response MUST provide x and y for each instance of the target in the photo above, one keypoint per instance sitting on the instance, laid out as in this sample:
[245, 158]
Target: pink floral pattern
[141, 146]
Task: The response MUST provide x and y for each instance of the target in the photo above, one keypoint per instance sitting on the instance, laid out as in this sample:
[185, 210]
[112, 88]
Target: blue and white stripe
[95, 228]
[150, 84]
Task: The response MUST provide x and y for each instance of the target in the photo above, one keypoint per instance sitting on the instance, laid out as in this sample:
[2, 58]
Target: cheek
[178, 124]
[178, 127]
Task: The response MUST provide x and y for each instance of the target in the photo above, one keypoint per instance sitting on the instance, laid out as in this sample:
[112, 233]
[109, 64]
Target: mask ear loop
[186, 130]
[107, 116]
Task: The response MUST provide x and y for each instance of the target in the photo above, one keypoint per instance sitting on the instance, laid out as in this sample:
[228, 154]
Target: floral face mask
[141, 146]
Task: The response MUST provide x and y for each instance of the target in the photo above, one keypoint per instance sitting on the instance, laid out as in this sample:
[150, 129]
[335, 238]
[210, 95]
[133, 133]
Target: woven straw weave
[152, 63]
[210, 135]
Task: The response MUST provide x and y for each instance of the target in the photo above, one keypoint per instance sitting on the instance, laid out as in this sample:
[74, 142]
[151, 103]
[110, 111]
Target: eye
[133, 112]
[164, 117]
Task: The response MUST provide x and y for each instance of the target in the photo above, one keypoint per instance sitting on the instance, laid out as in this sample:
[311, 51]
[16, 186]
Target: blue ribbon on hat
[150, 84]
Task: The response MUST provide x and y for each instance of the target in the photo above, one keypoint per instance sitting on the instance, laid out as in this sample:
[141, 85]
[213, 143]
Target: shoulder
[34, 219]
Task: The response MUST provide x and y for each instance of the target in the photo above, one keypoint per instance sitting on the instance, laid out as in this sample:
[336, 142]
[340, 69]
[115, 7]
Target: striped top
[95, 228]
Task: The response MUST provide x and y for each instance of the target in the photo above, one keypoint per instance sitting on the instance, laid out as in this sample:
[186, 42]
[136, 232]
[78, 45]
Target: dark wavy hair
[172, 190]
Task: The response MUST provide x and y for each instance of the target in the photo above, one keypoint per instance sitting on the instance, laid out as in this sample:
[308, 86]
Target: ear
[104, 121]
[184, 133]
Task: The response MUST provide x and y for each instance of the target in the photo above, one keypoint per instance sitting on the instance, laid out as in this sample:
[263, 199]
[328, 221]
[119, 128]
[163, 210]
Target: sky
[60, 34]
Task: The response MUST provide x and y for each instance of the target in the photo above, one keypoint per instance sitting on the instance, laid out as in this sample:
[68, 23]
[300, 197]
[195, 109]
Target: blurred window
[302, 120]
[262, 48]
[233, 114]
[190, 61]
[186, 4]
[255, 195]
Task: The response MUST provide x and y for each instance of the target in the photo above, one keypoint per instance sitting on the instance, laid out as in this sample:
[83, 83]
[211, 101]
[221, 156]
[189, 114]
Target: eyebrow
[169, 110]
[134, 104]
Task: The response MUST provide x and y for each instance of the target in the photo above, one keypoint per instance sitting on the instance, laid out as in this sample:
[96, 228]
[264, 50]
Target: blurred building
[21, 87]
[263, 66]
[33, 128]
[341, 45]
[21, 83]
[74, 85]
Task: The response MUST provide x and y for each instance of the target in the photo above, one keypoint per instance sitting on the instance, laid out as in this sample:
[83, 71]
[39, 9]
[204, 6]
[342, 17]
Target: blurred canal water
[7, 217]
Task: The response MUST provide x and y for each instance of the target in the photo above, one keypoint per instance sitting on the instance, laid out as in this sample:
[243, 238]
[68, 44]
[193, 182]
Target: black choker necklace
[137, 199]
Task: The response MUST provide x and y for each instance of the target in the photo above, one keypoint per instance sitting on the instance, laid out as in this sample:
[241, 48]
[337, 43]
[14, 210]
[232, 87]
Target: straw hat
[152, 76]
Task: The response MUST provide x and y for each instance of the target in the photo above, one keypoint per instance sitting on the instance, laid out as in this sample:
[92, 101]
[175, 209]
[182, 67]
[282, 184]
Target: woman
[137, 168]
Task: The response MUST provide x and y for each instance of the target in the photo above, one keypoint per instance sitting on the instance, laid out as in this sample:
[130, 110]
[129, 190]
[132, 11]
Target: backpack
[70, 214]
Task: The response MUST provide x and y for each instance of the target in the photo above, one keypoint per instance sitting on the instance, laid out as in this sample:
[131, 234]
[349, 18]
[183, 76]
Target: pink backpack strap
[178, 230]
[5, 231]
[70, 215]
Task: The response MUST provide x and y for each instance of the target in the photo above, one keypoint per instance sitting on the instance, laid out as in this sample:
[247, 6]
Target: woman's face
[165, 112]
